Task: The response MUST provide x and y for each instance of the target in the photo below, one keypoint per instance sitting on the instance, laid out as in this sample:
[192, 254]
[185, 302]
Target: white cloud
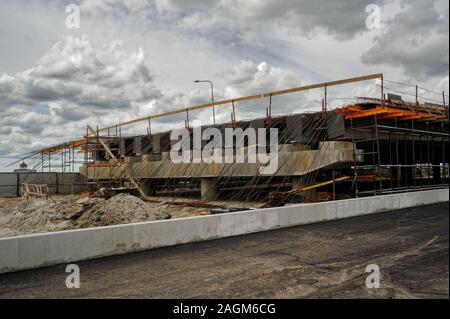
[62, 80]
[371, 89]
[109, 6]
[72, 82]
[248, 78]
[74, 71]
[443, 85]
[182, 5]
[75, 84]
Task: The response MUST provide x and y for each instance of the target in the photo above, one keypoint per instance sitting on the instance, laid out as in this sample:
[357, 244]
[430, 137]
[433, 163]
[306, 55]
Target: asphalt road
[324, 260]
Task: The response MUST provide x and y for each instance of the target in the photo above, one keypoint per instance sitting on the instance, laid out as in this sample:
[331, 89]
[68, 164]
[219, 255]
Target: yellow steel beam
[304, 189]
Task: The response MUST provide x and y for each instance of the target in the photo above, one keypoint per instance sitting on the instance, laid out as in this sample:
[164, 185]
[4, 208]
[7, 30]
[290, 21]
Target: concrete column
[156, 143]
[301, 182]
[122, 148]
[137, 146]
[209, 189]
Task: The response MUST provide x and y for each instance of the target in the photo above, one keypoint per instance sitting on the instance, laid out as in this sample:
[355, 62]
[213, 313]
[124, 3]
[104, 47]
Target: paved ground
[325, 260]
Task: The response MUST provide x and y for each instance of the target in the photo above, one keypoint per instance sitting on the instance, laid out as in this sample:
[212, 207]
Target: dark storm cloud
[416, 39]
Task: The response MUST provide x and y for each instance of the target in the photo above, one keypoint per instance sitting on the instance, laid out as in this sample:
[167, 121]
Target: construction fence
[58, 183]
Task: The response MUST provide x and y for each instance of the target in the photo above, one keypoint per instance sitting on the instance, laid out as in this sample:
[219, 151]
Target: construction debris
[34, 191]
[39, 215]
[120, 209]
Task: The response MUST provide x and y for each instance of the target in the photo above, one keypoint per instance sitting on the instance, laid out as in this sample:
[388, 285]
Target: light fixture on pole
[212, 96]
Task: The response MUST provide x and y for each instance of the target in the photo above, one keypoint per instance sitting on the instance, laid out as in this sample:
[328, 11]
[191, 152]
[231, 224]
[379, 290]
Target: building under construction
[367, 147]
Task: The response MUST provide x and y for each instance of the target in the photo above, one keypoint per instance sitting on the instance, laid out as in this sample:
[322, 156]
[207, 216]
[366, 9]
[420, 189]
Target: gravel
[39, 215]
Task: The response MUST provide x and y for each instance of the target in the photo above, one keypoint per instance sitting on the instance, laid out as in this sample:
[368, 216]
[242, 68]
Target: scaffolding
[402, 145]
[406, 148]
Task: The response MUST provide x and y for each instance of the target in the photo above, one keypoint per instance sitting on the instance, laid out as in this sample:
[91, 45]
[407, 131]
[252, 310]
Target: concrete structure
[382, 148]
[381, 145]
[32, 251]
[293, 160]
[23, 168]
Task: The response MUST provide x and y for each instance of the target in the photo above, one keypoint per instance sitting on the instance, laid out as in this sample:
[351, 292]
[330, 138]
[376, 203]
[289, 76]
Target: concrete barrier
[37, 250]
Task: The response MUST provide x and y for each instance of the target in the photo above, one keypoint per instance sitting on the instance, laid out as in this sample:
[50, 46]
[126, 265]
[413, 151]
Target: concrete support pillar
[148, 188]
[209, 189]
[301, 182]
[137, 146]
[156, 143]
[122, 148]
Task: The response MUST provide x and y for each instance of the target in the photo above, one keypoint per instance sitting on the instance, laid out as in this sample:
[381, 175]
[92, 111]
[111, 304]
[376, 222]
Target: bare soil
[63, 212]
[40, 215]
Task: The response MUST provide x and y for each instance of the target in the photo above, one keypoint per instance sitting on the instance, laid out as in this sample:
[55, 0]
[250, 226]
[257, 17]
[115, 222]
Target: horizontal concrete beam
[289, 162]
[32, 251]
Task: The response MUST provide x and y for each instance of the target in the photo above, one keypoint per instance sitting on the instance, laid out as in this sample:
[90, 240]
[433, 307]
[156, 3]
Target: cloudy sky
[136, 57]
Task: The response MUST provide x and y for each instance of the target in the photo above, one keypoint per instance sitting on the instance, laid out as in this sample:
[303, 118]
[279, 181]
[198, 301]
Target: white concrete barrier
[37, 250]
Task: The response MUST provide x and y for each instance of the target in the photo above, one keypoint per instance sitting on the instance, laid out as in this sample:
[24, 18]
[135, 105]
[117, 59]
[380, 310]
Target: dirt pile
[121, 209]
[37, 215]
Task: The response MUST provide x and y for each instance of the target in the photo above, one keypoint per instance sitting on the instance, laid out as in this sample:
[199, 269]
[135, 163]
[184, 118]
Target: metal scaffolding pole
[413, 153]
[378, 152]
[397, 154]
[355, 172]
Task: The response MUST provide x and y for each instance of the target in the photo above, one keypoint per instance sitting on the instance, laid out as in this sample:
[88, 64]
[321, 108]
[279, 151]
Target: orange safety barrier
[386, 112]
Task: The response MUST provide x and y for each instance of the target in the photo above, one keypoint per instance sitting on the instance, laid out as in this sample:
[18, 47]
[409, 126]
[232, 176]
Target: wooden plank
[326, 84]
[178, 111]
[391, 115]
[365, 113]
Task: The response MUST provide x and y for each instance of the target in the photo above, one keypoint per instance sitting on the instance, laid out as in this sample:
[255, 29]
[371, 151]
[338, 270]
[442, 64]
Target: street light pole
[212, 96]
